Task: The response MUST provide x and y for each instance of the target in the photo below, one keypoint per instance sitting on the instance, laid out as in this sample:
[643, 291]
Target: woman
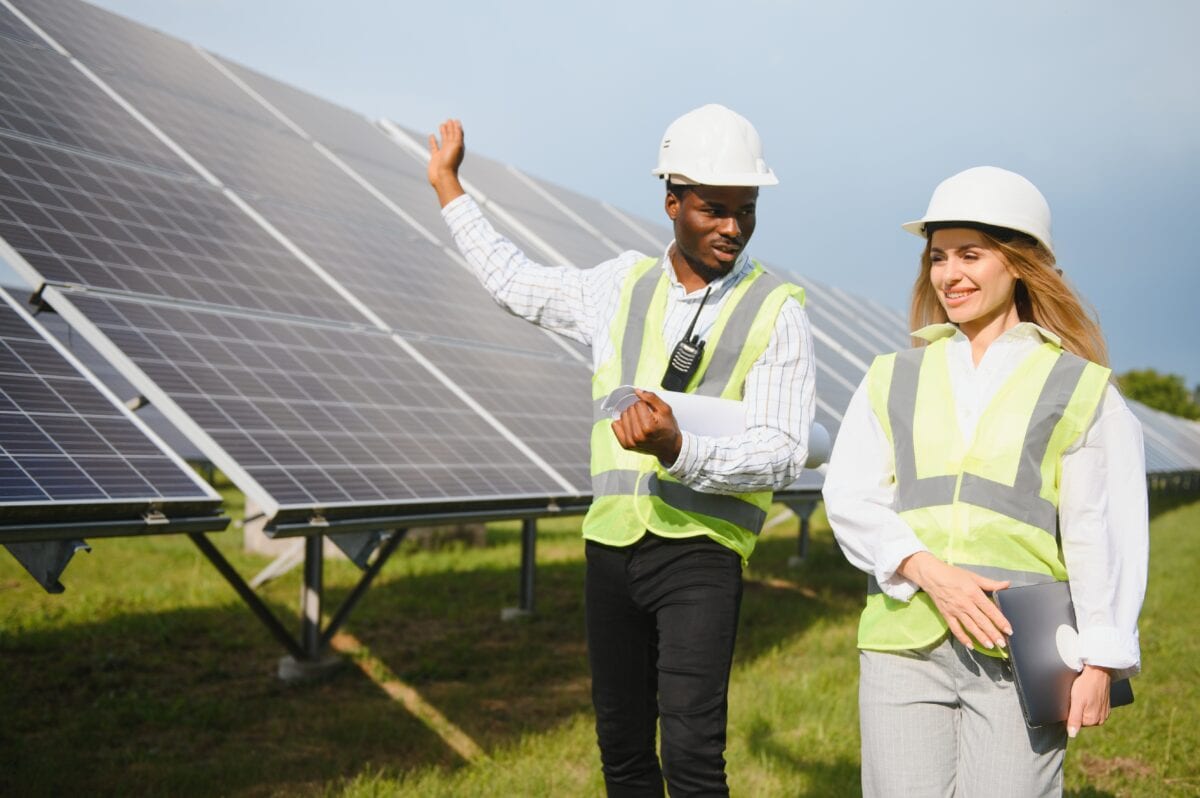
[994, 455]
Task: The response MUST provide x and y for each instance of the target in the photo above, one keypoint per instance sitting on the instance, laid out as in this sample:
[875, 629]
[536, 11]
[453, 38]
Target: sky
[863, 108]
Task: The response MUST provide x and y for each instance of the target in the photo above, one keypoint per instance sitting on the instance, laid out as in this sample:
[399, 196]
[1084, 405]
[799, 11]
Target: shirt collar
[740, 267]
[1025, 329]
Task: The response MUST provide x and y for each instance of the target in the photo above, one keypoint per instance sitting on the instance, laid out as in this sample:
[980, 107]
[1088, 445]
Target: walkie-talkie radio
[685, 358]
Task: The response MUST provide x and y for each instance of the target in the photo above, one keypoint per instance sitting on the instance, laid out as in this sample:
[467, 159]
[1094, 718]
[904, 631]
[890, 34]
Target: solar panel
[1172, 443]
[407, 279]
[572, 243]
[310, 415]
[374, 253]
[81, 219]
[544, 402]
[361, 145]
[617, 230]
[46, 98]
[110, 44]
[501, 185]
[69, 452]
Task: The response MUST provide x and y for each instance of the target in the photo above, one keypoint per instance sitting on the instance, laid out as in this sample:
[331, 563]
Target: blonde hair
[1042, 295]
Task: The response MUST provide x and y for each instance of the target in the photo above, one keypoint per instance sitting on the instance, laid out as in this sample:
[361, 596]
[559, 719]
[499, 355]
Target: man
[674, 514]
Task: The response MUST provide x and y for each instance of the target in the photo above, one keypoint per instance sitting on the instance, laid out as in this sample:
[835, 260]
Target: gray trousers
[946, 721]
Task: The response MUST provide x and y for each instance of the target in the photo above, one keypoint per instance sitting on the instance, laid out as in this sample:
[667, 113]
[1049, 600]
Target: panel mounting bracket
[46, 560]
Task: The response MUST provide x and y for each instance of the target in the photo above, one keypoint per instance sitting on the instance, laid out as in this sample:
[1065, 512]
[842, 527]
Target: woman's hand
[960, 598]
[1089, 699]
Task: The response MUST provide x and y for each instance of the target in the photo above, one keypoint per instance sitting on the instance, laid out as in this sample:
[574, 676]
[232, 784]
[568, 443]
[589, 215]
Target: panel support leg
[525, 605]
[385, 551]
[256, 605]
[310, 601]
[317, 661]
[803, 510]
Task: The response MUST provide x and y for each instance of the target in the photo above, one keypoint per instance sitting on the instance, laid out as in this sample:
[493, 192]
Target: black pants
[661, 621]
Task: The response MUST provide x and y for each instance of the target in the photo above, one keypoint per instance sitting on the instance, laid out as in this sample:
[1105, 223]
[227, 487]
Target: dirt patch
[1095, 766]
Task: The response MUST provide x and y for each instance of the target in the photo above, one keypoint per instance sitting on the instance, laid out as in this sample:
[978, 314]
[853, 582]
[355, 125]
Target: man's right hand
[960, 598]
[445, 159]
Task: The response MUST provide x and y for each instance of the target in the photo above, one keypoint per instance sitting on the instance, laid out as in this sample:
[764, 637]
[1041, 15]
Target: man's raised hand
[445, 158]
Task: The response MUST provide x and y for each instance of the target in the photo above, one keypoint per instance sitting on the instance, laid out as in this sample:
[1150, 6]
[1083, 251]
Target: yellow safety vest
[632, 492]
[990, 505]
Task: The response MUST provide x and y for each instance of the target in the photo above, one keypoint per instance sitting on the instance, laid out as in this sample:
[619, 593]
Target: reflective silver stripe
[618, 482]
[1021, 501]
[635, 324]
[912, 493]
[726, 508]
[733, 338]
[1027, 507]
[1017, 578]
[622, 482]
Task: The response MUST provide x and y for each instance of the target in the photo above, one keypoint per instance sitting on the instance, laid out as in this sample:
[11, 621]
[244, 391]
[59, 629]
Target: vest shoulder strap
[747, 332]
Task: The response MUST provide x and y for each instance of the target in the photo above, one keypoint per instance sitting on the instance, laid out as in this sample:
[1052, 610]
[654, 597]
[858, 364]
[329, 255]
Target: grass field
[148, 677]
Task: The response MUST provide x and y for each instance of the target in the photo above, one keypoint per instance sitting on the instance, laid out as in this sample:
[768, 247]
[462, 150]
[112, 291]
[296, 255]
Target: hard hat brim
[752, 179]
[917, 228]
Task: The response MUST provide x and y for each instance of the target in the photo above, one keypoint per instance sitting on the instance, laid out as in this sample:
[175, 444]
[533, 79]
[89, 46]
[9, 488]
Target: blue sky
[863, 109]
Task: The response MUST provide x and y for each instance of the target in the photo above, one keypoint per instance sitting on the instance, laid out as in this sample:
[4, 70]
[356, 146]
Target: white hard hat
[991, 196]
[713, 146]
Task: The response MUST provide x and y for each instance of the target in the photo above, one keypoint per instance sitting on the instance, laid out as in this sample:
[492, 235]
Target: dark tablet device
[1043, 622]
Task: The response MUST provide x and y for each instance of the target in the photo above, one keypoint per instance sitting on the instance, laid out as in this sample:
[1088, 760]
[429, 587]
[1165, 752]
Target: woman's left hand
[1089, 699]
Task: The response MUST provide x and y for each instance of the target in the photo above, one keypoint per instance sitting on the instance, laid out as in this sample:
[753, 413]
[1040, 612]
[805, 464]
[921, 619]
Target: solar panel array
[273, 304]
[69, 452]
[271, 272]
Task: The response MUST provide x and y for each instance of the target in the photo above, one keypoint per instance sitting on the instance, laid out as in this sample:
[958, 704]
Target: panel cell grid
[112, 45]
[342, 130]
[43, 96]
[14, 29]
[595, 214]
[317, 415]
[546, 403]
[90, 221]
[580, 247]
[411, 284]
[61, 440]
[256, 157]
[402, 180]
[365, 148]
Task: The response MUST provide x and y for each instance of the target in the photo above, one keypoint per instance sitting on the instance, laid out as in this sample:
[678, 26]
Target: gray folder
[1043, 678]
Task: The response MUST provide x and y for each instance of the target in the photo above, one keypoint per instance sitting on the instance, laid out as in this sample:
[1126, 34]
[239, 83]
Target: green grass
[148, 677]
